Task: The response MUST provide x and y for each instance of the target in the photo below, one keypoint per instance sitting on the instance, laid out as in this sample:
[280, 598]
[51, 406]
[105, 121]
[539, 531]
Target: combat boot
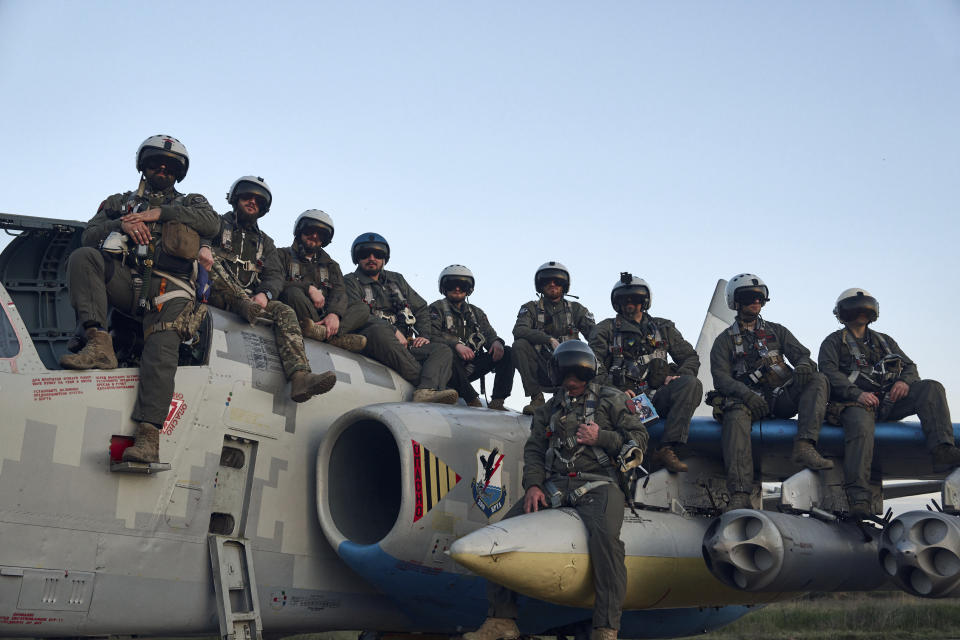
[946, 455]
[738, 500]
[497, 405]
[249, 310]
[311, 329]
[474, 402]
[603, 633]
[668, 458]
[353, 342]
[535, 401]
[304, 384]
[96, 354]
[806, 455]
[446, 396]
[146, 447]
[495, 629]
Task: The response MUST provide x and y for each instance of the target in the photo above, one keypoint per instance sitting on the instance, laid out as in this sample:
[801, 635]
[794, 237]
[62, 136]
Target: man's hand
[868, 399]
[261, 299]
[332, 322]
[496, 351]
[316, 297]
[150, 215]
[402, 339]
[533, 499]
[668, 380]
[465, 352]
[631, 393]
[802, 374]
[588, 433]
[205, 258]
[758, 406]
[137, 231]
[899, 390]
[554, 343]
[419, 341]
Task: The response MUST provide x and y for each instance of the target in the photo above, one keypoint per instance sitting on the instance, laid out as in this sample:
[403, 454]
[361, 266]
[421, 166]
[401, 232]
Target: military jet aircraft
[362, 510]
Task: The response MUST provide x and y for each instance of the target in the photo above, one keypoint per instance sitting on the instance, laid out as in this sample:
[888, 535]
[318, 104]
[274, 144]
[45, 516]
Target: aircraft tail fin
[718, 318]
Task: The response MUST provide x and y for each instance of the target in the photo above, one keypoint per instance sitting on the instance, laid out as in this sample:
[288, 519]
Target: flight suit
[426, 367]
[251, 257]
[926, 398]
[652, 339]
[97, 280]
[601, 509]
[808, 403]
[322, 272]
[537, 322]
[451, 324]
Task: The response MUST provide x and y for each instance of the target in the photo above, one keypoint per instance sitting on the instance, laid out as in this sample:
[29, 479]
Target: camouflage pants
[532, 365]
[97, 282]
[926, 398]
[808, 403]
[602, 513]
[353, 318]
[286, 328]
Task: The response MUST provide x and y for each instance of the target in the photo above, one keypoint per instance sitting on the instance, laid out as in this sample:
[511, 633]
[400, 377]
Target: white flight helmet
[455, 272]
[552, 269]
[314, 218]
[251, 184]
[167, 146]
[747, 281]
[853, 301]
[629, 284]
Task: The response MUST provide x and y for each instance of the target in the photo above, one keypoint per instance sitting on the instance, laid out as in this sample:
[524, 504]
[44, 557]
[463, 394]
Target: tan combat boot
[353, 342]
[446, 396]
[946, 455]
[304, 384]
[495, 629]
[603, 633]
[474, 402]
[311, 329]
[535, 401]
[806, 455]
[96, 354]
[670, 461]
[738, 500]
[146, 447]
[497, 405]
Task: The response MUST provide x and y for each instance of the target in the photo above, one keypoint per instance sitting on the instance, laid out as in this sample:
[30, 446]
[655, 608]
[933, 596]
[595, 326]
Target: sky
[815, 144]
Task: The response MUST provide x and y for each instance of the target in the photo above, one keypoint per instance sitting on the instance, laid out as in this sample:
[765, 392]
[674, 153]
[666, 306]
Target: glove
[802, 374]
[757, 405]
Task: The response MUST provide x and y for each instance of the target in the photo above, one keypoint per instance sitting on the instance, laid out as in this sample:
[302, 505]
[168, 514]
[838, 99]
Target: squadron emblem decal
[488, 490]
[432, 479]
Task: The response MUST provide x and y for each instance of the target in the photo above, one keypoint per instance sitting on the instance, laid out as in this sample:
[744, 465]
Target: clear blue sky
[813, 143]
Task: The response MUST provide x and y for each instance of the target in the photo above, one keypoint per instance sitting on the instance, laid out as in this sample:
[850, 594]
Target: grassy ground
[853, 617]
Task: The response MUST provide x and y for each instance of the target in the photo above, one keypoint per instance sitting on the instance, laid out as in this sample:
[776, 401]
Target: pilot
[541, 326]
[753, 381]
[313, 285]
[871, 379]
[632, 349]
[246, 278]
[139, 255]
[577, 442]
[398, 323]
[477, 349]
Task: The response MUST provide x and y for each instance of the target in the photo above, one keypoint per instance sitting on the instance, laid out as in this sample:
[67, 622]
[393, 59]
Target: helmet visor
[154, 159]
[850, 309]
[449, 284]
[749, 295]
[556, 276]
[362, 251]
[322, 233]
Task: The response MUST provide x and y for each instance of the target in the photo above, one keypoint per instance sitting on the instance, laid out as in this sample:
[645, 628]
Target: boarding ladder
[238, 607]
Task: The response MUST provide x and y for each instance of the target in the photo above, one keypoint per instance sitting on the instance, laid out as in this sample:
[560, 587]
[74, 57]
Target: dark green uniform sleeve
[195, 212]
[337, 298]
[795, 352]
[486, 328]
[841, 389]
[682, 352]
[621, 425]
[721, 368]
[910, 374]
[438, 328]
[535, 450]
[105, 221]
[525, 326]
[599, 341]
[271, 275]
[584, 320]
[417, 304]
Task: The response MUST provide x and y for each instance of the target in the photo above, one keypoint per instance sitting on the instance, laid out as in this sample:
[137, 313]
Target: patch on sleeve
[196, 198]
[102, 205]
[588, 315]
[523, 312]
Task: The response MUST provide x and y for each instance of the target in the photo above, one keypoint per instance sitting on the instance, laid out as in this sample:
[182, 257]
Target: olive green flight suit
[926, 398]
[601, 509]
[807, 403]
[676, 401]
[537, 322]
[98, 280]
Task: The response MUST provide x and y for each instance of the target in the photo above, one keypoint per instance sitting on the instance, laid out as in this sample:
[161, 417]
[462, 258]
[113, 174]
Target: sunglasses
[261, 201]
[748, 297]
[376, 253]
[155, 162]
[463, 285]
[554, 281]
[320, 232]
